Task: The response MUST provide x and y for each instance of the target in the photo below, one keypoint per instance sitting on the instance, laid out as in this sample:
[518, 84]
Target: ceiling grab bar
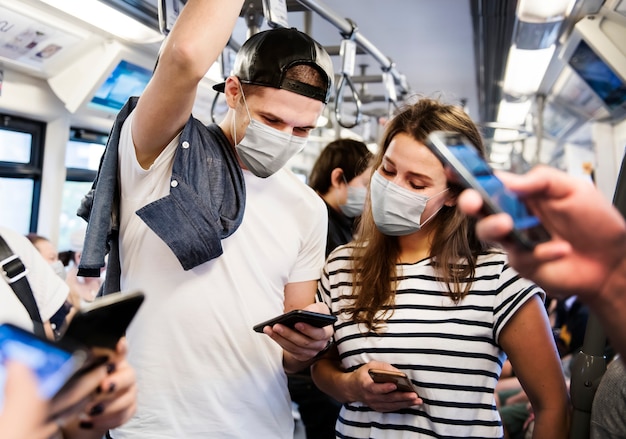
[345, 27]
[347, 52]
[390, 93]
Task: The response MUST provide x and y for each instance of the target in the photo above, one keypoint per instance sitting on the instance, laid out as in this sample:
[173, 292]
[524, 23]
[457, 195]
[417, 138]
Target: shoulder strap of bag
[14, 272]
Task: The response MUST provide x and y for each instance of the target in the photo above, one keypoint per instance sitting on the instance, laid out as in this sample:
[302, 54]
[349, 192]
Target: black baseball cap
[266, 56]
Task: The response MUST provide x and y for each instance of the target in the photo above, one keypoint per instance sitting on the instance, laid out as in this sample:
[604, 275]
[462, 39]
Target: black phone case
[103, 322]
[292, 317]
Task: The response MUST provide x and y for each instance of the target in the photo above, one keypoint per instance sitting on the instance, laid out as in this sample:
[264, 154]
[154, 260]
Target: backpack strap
[14, 273]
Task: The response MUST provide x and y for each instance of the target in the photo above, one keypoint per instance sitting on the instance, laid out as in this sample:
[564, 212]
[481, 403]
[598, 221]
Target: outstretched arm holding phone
[587, 253]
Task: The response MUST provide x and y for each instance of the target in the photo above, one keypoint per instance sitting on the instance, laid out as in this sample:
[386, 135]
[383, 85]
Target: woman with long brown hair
[419, 293]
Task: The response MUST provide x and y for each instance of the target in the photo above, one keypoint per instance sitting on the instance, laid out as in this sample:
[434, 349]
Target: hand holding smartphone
[52, 364]
[470, 170]
[290, 318]
[400, 379]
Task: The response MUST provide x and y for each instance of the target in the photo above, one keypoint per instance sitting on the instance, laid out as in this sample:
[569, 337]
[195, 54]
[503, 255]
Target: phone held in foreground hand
[104, 321]
[470, 170]
[290, 318]
[400, 379]
[53, 365]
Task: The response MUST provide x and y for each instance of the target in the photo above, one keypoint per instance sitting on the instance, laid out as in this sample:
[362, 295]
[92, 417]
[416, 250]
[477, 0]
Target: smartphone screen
[472, 171]
[52, 364]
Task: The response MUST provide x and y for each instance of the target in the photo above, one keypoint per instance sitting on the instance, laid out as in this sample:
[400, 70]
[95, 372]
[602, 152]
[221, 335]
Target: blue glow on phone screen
[507, 200]
[52, 366]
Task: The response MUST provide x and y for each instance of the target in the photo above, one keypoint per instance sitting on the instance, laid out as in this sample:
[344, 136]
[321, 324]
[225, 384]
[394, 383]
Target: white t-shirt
[202, 371]
[48, 288]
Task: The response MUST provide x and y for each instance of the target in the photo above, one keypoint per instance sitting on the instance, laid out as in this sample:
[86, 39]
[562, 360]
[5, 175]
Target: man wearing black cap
[215, 231]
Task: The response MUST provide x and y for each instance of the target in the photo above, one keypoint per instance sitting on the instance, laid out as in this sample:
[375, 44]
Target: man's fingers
[470, 202]
[494, 227]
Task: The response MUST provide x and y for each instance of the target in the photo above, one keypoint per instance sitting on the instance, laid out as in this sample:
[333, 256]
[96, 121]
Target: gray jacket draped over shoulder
[205, 204]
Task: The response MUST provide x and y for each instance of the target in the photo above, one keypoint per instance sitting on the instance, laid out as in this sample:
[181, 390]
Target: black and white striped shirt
[450, 351]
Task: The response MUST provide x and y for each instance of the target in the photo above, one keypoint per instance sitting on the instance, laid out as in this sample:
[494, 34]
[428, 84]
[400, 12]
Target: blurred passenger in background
[50, 254]
[82, 289]
[608, 419]
[340, 176]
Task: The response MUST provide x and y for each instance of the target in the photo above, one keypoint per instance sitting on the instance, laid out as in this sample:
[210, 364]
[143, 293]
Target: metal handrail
[345, 79]
[345, 27]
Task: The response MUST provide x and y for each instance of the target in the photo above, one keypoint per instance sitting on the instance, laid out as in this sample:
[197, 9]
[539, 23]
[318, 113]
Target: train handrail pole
[345, 27]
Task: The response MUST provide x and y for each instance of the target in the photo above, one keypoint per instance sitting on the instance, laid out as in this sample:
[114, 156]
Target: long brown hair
[455, 246]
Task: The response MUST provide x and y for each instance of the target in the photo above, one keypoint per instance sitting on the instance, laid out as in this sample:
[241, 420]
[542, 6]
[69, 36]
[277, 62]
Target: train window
[82, 157]
[15, 147]
[21, 155]
[16, 196]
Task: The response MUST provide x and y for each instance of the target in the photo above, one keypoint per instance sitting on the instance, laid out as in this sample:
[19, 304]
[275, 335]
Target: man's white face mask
[264, 150]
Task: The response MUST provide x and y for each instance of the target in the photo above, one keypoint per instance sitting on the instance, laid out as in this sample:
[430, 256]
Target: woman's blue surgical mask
[397, 211]
[264, 150]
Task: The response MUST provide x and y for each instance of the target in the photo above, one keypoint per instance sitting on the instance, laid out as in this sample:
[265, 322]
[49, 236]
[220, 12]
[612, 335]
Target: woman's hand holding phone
[383, 396]
[113, 399]
[400, 379]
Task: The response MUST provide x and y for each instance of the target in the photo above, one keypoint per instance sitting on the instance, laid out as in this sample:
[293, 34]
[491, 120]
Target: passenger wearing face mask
[219, 235]
[339, 176]
[417, 292]
[50, 254]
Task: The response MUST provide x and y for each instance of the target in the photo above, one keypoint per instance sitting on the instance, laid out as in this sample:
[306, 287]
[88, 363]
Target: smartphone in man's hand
[470, 170]
[290, 318]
